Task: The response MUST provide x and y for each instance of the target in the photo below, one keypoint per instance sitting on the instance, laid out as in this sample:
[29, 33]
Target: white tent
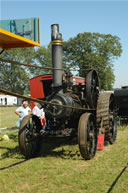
[8, 100]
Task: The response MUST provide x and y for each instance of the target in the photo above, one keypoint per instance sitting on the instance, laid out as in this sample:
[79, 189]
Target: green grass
[60, 168]
[8, 118]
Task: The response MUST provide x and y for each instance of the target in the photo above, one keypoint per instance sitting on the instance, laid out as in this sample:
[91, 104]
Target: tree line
[86, 50]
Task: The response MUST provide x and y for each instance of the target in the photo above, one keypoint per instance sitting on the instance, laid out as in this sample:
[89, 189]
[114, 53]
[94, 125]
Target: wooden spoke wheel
[87, 136]
[92, 88]
[29, 140]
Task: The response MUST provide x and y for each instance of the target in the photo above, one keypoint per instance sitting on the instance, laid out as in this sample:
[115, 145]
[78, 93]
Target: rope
[41, 67]
[2, 51]
[44, 102]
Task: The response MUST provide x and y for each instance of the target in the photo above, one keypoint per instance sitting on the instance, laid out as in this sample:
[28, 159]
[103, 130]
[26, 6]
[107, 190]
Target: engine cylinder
[57, 112]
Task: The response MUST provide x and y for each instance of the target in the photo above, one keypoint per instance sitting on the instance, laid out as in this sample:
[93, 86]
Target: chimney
[56, 42]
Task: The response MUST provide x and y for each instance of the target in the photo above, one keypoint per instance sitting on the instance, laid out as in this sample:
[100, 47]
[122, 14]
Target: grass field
[8, 118]
[59, 167]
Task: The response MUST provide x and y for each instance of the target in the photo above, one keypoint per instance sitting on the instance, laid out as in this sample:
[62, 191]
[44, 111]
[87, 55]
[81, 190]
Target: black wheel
[87, 136]
[92, 88]
[29, 139]
[106, 111]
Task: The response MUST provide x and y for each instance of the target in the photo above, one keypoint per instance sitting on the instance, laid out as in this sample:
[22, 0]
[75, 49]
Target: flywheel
[92, 88]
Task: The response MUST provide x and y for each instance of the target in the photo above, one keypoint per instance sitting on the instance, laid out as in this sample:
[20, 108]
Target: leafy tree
[96, 51]
[43, 58]
[14, 77]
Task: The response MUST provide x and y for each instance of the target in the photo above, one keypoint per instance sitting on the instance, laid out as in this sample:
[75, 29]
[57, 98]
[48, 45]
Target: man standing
[23, 110]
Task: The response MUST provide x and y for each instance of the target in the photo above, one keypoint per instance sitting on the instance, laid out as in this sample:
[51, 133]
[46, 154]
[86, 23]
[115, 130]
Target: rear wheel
[29, 139]
[106, 111]
[87, 136]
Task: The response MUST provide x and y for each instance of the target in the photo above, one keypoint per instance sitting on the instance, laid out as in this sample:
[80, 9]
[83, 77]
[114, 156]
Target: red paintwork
[36, 85]
[78, 80]
[100, 142]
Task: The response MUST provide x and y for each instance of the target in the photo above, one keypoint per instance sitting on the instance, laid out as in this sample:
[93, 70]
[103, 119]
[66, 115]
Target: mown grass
[8, 118]
[60, 168]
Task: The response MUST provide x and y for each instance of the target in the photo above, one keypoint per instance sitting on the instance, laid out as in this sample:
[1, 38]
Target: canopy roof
[9, 40]
[19, 33]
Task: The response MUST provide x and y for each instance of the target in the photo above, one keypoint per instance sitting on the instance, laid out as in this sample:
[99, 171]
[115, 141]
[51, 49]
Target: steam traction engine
[77, 107]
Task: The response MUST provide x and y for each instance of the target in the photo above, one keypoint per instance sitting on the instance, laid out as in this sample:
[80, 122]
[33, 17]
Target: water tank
[121, 96]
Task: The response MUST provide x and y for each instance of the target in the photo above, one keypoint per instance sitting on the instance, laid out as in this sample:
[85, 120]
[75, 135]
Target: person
[23, 111]
[39, 113]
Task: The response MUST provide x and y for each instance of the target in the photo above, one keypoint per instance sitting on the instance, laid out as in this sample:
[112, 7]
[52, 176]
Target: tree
[43, 58]
[96, 51]
[14, 77]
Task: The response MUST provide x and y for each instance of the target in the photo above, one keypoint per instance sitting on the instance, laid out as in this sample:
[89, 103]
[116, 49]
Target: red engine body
[40, 86]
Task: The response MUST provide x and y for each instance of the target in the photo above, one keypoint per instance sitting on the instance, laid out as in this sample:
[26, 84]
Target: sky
[77, 16]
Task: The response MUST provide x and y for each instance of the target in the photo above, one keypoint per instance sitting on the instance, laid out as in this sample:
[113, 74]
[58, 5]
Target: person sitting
[40, 114]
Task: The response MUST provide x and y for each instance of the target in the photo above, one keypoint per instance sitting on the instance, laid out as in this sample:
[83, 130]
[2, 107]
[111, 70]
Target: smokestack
[56, 42]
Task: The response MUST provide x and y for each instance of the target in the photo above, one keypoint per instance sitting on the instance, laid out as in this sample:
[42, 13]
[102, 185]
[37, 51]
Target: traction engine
[78, 108]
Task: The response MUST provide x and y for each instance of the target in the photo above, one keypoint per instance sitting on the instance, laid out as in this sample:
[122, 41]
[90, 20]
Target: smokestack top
[55, 35]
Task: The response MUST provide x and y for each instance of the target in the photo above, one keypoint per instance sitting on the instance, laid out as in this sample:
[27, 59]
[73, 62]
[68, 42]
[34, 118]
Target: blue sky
[74, 16]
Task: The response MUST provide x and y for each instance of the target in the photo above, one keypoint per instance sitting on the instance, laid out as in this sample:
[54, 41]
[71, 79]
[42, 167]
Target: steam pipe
[56, 42]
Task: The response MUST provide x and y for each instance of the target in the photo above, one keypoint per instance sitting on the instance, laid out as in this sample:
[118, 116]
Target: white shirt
[23, 111]
[38, 112]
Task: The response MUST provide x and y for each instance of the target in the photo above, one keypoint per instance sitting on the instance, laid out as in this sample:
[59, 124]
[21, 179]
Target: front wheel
[29, 140]
[87, 136]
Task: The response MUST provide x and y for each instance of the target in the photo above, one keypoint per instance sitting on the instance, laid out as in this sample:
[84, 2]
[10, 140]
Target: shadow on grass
[10, 152]
[117, 178]
[12, 165]
[54, 147]
[14, 137]
[48, 148]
